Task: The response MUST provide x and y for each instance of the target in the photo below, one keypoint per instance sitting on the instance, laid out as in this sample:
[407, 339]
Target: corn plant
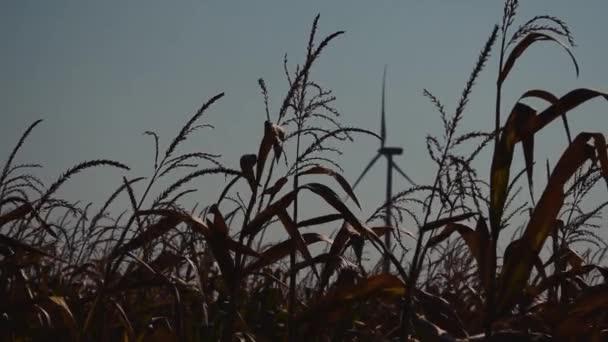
[158, 271]
[508, 296]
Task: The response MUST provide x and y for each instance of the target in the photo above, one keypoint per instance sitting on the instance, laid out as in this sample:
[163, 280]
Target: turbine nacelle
[392, 151]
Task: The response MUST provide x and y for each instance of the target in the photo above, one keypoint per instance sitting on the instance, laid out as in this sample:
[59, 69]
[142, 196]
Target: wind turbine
[389, 153]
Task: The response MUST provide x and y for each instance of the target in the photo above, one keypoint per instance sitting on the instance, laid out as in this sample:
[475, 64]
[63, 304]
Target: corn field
[156, 271]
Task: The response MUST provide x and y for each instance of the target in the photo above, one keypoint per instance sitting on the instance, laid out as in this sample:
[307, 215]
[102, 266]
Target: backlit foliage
[158, 272]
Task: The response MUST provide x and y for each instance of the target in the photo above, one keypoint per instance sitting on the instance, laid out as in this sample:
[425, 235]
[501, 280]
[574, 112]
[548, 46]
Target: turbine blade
[371, 163]
[382, 109]
[403, 174]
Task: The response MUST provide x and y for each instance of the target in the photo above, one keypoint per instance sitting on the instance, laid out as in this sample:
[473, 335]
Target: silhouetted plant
[158, 272]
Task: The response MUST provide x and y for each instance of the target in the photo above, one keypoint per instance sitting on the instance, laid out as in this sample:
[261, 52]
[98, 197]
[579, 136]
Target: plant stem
[495, 230]
[413, 276]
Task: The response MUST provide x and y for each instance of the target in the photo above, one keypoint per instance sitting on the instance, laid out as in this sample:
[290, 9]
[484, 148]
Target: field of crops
[156, 271]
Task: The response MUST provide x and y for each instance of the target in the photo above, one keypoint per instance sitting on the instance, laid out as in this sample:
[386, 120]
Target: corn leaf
[149, 234]
[522, 124]
[320, 220]
[521, 254]
[273, 135]
[478, 242]
[447, 220]
[292, 230]
[319, 170]
[385, 285]
[278, 185]
[247, 162]
[257, 223]
[524, 44]
[335, 251]
[281, 250]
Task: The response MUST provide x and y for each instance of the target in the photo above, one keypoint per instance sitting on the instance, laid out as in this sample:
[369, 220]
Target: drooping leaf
[330, 197]
[12, 243]
[540, 94]
[292, 230]
[220, 244]
[467, 234]
[218, 232]
[381, 230]
[447, 220]
[317, 170]
[521, 254]
[149, 234]
[552, 99]
[257, 223]
[566, 103]
[280, 250]
[521, 124]
[518, 120]
[333, 200]
[524, 44]
[478, 242]
[320, 220]
[16, 214]
[340, 242]
[278, 185]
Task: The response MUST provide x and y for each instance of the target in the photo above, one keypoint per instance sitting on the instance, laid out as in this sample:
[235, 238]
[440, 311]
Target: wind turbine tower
[388, 152]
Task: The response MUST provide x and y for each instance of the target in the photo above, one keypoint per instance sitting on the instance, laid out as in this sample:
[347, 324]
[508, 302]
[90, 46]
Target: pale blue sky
[102, 72]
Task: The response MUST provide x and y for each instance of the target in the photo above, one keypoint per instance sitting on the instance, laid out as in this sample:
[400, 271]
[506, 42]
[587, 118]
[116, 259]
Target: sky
[100, 73]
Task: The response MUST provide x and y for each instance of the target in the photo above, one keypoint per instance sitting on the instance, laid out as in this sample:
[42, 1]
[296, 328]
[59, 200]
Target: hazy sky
[102, 72]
